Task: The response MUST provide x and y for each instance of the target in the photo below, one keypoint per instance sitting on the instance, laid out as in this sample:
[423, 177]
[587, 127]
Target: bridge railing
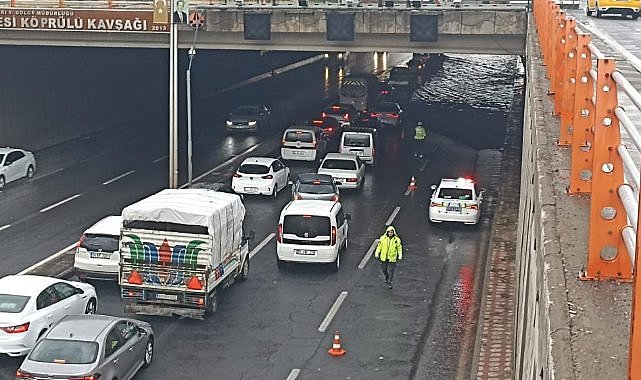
[586, 85]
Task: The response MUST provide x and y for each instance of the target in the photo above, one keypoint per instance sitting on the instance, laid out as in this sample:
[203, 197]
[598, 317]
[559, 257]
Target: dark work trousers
[388, 270]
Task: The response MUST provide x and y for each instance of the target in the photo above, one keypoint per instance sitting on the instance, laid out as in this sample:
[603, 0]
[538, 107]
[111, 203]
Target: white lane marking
[43, 262]
[408, 191]
[424, 165]
[48, 174]
[293, 375]
[60, 203]
[218, 167]
[391, 217]
[332, 312]
[261, 245]
[157, 160]
[119, 177]
[368, 255]
[5, 227]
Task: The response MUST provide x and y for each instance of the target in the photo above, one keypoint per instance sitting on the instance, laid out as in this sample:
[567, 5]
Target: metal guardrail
[591, 118]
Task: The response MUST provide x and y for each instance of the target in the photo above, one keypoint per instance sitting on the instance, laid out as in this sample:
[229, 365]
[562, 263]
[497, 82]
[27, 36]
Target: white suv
[455, 200]
[97, 252]
[312, 231]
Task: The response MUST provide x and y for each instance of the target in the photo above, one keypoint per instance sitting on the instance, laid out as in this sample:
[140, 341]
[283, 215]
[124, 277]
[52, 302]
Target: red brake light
[82, 238]
[346, 116]
[317, 122]
[135, 278]
[394, 115]
[434, 204]
[16, 329]
[352, 180]
[316, 182]
[236, 175]
[323, 114]
[23, 375]
[374, 114]
[329, 129]
[333, 235]
[473, 207]
[280, 233]
[194, 283]
[335, 108]
[334, 198]
[297, 197]
[268, 176]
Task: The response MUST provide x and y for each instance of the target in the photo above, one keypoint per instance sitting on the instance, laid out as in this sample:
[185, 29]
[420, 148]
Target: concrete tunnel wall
[542, 336]
[34, 118]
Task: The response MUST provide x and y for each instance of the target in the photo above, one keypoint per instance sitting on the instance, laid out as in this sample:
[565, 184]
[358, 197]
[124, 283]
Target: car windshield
[356, 140]
[339, 164]
[62, 351]
[302, 136]
[319, 188]
[452, 193]
[10, 303]
[1, 158]
[95, 242]
[245, 111]
[253, 169]
[308, 226]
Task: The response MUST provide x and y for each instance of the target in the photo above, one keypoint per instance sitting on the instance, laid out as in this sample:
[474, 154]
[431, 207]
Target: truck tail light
[333, 235]
[134, 278]
[16, 329]
[280, 233]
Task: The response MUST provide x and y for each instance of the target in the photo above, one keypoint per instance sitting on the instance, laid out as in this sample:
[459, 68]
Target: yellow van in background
[630, 8]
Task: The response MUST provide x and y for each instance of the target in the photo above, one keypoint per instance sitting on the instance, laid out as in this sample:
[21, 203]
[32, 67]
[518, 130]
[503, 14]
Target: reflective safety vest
[419, 133]
[389, 249]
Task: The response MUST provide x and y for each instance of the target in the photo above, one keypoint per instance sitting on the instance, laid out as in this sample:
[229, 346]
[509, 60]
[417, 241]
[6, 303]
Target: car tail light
[317, 122]
[373, 152]
[194, 283]
[346, 116]
[473, 207]
[236, 175]
[352, 180]
[334, 198]
[95, 376]
[20, 374]
[394, 115]
[314, 144]
[329, 129]
[333, 235]
[280, 233]
[374, 114]
[134, 278]
[384, 92]
[434, 204]
[335, 108]
[80, 241]
[282, 141]
[16, 329]
[268, 176]
[324, 114]
[297, 197]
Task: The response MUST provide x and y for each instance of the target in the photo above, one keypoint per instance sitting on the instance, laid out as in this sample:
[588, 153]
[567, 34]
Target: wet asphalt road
[268, 326]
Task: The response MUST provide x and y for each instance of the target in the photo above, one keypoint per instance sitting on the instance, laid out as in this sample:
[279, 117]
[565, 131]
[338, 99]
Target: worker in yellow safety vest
[388, 251]
[419, 139]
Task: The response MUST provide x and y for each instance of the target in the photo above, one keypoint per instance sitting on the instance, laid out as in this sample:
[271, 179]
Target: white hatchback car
[15, 164]
[30, 305]
[97, 252]
[455, 200]
[347, 170]
[260, 175]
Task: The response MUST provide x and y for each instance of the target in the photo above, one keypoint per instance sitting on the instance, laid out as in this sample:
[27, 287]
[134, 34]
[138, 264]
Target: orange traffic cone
[412, 185]
[336, 349]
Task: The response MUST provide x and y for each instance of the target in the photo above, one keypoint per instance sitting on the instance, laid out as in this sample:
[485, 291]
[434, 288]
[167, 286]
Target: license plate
[357, 152]
[453, 207]
[99, 255]
[305, 252]
[168, 297]
[298, 152]
[251, 189]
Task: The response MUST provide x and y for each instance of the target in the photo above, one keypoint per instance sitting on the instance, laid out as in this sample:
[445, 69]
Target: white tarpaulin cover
[221, 213]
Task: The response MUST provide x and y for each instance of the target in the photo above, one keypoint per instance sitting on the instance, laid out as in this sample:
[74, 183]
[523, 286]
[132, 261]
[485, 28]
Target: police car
[455, 200]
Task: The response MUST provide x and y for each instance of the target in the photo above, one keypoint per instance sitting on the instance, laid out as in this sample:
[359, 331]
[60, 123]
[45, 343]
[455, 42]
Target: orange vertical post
[110, 4]
[561, 59]
[583, 121]
[13, 3]
[634, 348]
[61, 3]
[607, 254]
[567, 83]
[558, 28]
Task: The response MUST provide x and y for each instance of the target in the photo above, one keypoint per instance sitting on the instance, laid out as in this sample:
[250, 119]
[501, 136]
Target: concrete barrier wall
[542, 334]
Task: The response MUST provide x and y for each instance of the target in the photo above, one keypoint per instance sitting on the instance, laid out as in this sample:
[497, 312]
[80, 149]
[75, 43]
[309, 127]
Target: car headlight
[252, 122]
[229, 122]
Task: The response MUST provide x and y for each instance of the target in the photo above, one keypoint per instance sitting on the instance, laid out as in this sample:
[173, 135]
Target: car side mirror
[141, 331]
[348, 217]
[79, 291]
[433, 187]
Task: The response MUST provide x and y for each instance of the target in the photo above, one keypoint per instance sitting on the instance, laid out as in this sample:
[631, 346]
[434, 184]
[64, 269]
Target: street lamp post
[173, 99]
[192, 54]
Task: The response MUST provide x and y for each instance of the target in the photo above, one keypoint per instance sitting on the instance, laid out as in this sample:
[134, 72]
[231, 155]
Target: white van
[312, 231]
[97, 252]
[304, 143]
[361, 143]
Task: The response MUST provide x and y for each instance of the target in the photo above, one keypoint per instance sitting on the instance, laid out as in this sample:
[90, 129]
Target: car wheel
[244, 271]
[275, 191]
[149, 353]
[30, 171]
[280, 264]
[2, 182]
[336, 264]
[91, 307]
[635, 16]
[212, 303]
[587, 10]
[597, 11]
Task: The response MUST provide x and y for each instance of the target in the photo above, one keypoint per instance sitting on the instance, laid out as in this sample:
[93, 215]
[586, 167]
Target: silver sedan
[15, 164]
[91, 346]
